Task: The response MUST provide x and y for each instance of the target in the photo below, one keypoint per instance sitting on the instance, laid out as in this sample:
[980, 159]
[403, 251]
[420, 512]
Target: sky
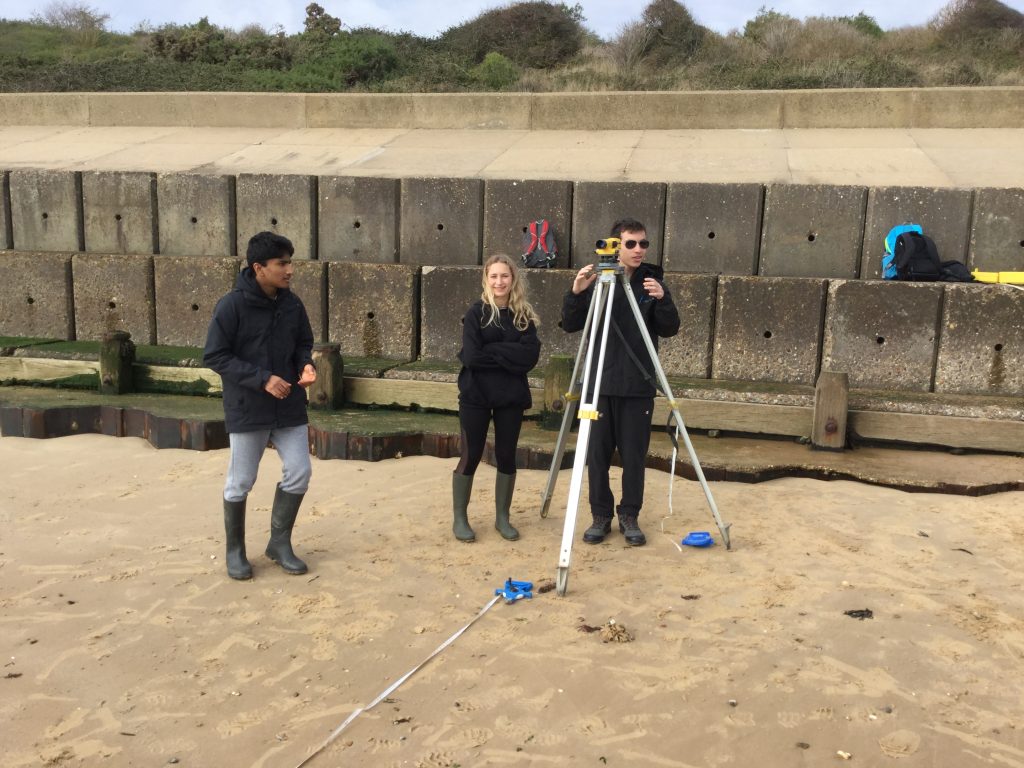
[605, 17]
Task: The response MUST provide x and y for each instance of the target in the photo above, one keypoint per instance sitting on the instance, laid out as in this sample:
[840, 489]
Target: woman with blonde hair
[499, 347]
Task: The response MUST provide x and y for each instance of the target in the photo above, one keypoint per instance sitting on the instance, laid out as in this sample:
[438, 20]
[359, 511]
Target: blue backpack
[889, 270]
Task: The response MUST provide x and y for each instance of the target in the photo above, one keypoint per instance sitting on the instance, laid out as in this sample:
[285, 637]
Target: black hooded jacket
[252, 337]
[622, 376]
[495, 360]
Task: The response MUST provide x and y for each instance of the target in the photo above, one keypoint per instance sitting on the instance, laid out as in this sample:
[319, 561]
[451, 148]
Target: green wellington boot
[282, 520]
[462, 488]
[234, 527]
[504, 485]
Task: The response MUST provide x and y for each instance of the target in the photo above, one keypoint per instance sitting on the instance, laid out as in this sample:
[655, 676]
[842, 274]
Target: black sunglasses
[634, 243]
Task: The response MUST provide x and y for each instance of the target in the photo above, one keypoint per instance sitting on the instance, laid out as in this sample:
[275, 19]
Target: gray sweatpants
[247, 448]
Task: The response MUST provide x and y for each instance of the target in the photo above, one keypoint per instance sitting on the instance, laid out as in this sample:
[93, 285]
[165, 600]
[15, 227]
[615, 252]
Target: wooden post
[326, 392]
[831, 393]
[117, 354]
[557, 377]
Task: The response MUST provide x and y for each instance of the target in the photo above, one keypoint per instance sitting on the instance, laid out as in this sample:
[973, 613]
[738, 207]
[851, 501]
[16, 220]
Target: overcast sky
[605, 17]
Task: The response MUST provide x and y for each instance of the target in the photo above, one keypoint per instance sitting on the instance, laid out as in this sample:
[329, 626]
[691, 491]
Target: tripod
[599, 319]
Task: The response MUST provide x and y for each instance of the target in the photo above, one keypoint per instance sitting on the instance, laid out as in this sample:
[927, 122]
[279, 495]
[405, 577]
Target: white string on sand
[337, 731]
[671, 485]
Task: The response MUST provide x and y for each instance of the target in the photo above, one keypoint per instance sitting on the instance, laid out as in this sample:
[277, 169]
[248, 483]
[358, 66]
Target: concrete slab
[768, 329]
[944, 214]
[560, 164]
[358, 219]
[836, 139]
[445, 295]
[38, 300]
[981, 350]
[196, 214]
[363, 110]
[441, 221]
[456, 139]
[166, 158]
[997, 231]
[54, 154]
[6, 234]
[286, 159]
[119, 211]
[45, 109]
[373, 309]
[187, 290]
[309, 283]
[962, 165]
[275, 203]
[688, 353]
[883, 334]
[441, 163]
[812, 231]
[336, 137]
[701, 140]
[722, 165]
[713, 228]
[509, 207]
[114, 293]
[546, 290]
[233, 135]
[880, 108]
[45, 210]
[598, 205]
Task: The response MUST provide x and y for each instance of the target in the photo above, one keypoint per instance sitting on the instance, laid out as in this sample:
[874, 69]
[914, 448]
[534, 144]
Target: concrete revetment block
[358, 219]
[45, 210]
[5, 210]
[196, 214]
[119, 210]
[981, 350]
[713, 228]
[445, 295]
[812, 230]
[187, 290]
[39, 302]
[510, 206]
[309, 283]
[883, 334]
[768, 329]
[597, 205]
[688, 353]
[372, 309]
[997, 231]
[944, 214]
[114, 293]
[545, 289]
[285, 205]
[441, 221]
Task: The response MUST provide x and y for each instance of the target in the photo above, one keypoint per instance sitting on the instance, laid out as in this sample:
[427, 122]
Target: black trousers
[625, 424]
[474, 421]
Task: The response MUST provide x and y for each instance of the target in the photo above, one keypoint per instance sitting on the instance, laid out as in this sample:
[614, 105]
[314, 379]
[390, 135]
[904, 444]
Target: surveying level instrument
[599, 319]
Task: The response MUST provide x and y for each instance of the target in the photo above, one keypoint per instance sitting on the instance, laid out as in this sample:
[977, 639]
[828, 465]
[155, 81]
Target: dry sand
[125, 644]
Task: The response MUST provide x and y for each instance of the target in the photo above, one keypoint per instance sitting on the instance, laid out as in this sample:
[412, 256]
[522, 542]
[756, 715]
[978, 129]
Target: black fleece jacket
[252, 337]
[621, 376]
[495, 360]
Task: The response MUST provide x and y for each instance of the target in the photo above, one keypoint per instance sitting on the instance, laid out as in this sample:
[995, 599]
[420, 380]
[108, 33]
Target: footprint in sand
[900, 743]
[790, 719]
[436, 760]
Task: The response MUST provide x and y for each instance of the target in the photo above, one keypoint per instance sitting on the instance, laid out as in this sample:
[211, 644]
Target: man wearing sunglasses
[627, 381]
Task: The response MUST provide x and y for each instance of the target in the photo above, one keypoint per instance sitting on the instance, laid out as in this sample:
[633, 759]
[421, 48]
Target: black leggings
[474, 421]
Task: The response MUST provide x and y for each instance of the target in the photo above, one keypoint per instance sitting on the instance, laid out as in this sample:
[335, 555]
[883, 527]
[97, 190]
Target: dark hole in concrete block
[370, 315]
[195, 220]
[711, 235]
[767, 334]
[46, 215]
[440, 227]
[998, 347]
[112, 304]
[117, 217]
[357, 225]
[31, 300]
[273, 222]
[811, 237]
[195, 307]
[880, 340]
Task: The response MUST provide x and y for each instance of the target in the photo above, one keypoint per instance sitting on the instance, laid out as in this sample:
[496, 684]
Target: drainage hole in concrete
[357, 225]
[46, 215]
[273, 222]
[811, 237]
[370, 315]
[117, 217]
[767, 334]
[195, 220]
[112, 305]
[195, 307]
[711, 235]
[31, 300]
[998, 347]
[440, 227]
[880, 340]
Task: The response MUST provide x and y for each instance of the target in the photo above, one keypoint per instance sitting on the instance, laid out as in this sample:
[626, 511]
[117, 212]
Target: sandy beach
[125, 644]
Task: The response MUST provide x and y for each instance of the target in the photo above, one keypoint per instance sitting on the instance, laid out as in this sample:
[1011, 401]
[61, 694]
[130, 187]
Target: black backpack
[539, 249]
[916, 258]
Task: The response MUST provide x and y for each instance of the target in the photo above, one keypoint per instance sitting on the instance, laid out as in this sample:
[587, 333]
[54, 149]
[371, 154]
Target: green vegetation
[524, 46]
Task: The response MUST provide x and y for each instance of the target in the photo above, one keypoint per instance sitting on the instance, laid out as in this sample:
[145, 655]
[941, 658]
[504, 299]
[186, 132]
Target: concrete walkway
[929, 157]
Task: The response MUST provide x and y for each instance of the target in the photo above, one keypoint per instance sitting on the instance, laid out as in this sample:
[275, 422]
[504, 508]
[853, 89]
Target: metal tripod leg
[663, 382]
[600, 309]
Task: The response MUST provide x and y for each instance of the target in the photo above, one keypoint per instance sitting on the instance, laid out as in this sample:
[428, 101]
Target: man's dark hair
[627, 225]
[264, 246]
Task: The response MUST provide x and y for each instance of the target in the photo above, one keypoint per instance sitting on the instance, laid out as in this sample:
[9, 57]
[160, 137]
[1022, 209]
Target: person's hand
[584, 278]
[308, 376]
[278, 387]
[654, 289]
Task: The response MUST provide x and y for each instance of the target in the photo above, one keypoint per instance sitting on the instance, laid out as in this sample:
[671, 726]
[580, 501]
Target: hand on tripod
[584, 278]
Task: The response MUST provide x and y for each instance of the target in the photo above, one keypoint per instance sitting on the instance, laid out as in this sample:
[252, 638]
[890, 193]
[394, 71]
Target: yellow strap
[592, 415]
[1011, 278]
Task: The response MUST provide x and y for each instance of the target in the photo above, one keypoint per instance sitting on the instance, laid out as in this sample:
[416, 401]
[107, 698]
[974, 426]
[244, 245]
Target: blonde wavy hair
[521, 309]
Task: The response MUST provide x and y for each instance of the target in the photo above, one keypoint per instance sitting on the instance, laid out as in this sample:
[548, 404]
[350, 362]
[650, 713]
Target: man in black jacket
[261, 343]
[626, 398]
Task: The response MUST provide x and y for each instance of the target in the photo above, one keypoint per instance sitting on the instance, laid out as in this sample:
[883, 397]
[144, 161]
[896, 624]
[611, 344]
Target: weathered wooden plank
[955, 431]
[41, 369]
[831, 398]
[405, 393]
[172, 378]
[752, 418]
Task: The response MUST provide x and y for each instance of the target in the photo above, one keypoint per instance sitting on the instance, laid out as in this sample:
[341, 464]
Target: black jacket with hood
[252, 337]
[622, 376]
[495, 360]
